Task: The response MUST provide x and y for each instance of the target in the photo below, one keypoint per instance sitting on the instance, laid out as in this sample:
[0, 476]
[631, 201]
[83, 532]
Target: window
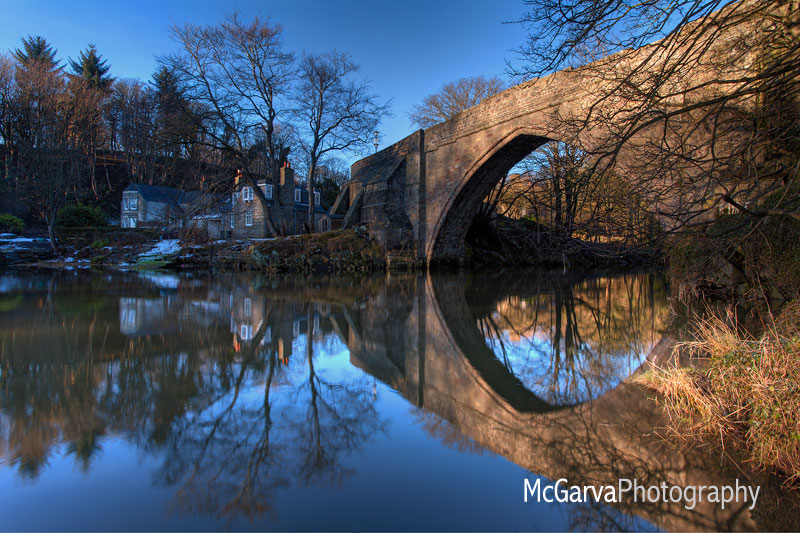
[133, 203]
[297, 195]
[132, 222]
[248, 217]
[246, 332]
[233, 220]
[268, 191]
[125, 204]
[323, 225]
[247, 194]
[248, 307]
[316, 197]
[234, 197]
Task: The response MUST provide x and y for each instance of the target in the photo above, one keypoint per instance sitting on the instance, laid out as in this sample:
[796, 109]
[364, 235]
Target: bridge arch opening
[477, 184]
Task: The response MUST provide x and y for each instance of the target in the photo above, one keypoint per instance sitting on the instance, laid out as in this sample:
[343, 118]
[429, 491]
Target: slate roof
[166, 195]
[155, 193]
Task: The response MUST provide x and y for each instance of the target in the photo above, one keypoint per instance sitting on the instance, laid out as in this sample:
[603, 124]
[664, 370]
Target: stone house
[156, 207]
[238, 215]
[169, 208]
[247, 216]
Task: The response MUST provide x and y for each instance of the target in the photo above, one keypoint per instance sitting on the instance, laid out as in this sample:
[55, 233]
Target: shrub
[11, 224]
[80, 216]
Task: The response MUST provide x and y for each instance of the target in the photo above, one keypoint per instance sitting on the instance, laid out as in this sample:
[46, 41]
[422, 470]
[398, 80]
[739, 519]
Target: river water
[142, 400]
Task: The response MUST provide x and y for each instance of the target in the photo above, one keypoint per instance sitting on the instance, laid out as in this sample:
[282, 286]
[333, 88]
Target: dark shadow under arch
[449, 241]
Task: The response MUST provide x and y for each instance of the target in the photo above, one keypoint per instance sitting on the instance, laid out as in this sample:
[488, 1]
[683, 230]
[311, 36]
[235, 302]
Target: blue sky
[407, 49]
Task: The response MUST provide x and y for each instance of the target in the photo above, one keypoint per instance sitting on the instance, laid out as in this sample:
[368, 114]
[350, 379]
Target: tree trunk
[311, 171]
[51, 234]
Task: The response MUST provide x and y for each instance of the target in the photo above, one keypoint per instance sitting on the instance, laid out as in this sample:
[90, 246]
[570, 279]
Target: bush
[11, 224]
[80, 216]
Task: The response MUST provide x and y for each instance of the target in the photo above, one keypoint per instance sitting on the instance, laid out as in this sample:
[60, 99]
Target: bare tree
[7, 92]
[336, 112]
[132, 114]
[49, 160]
[237, 73]
[454, 97]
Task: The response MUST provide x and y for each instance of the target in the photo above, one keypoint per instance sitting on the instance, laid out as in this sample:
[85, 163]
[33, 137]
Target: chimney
[236, 179]
[287, 176]
[202, 183]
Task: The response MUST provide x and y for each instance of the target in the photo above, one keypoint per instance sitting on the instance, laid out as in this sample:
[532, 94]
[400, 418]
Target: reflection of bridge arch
[491, 374]
[419, 351]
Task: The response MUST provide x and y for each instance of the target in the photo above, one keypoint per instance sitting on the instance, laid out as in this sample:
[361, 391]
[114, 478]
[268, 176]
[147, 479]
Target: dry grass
[748, 396]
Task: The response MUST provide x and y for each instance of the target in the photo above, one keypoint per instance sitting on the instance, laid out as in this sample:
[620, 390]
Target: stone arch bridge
[419, 195]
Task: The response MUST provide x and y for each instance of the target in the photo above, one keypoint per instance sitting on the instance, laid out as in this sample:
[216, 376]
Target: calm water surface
[149, 401]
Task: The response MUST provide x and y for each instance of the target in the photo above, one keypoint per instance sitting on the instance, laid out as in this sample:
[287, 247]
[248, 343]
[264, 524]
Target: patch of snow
[167, 246]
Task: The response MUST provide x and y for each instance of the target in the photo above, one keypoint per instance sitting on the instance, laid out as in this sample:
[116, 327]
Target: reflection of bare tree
[227, 419]
[230, 458]
[572, 342]
[340, 416]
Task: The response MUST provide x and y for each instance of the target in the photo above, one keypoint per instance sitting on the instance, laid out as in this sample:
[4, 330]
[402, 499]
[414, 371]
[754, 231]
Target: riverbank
[741, 396]
[348, 251]
[336, 252]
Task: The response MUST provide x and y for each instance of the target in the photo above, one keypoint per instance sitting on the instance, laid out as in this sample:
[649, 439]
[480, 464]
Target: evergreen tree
[35, 49]
[166, 84]
[93, 68]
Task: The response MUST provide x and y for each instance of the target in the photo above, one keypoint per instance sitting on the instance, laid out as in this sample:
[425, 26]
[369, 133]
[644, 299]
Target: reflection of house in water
[146, 316]
[172, 312]
[261, 320]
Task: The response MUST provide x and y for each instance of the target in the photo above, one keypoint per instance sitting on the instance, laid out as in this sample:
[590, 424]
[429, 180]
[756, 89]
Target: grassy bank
[745, 396]
[331, 252]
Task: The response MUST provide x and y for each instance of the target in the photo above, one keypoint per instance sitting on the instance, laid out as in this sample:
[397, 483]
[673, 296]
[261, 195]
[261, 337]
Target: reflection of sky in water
[572, 343]
[566, 381]
[151, 403]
